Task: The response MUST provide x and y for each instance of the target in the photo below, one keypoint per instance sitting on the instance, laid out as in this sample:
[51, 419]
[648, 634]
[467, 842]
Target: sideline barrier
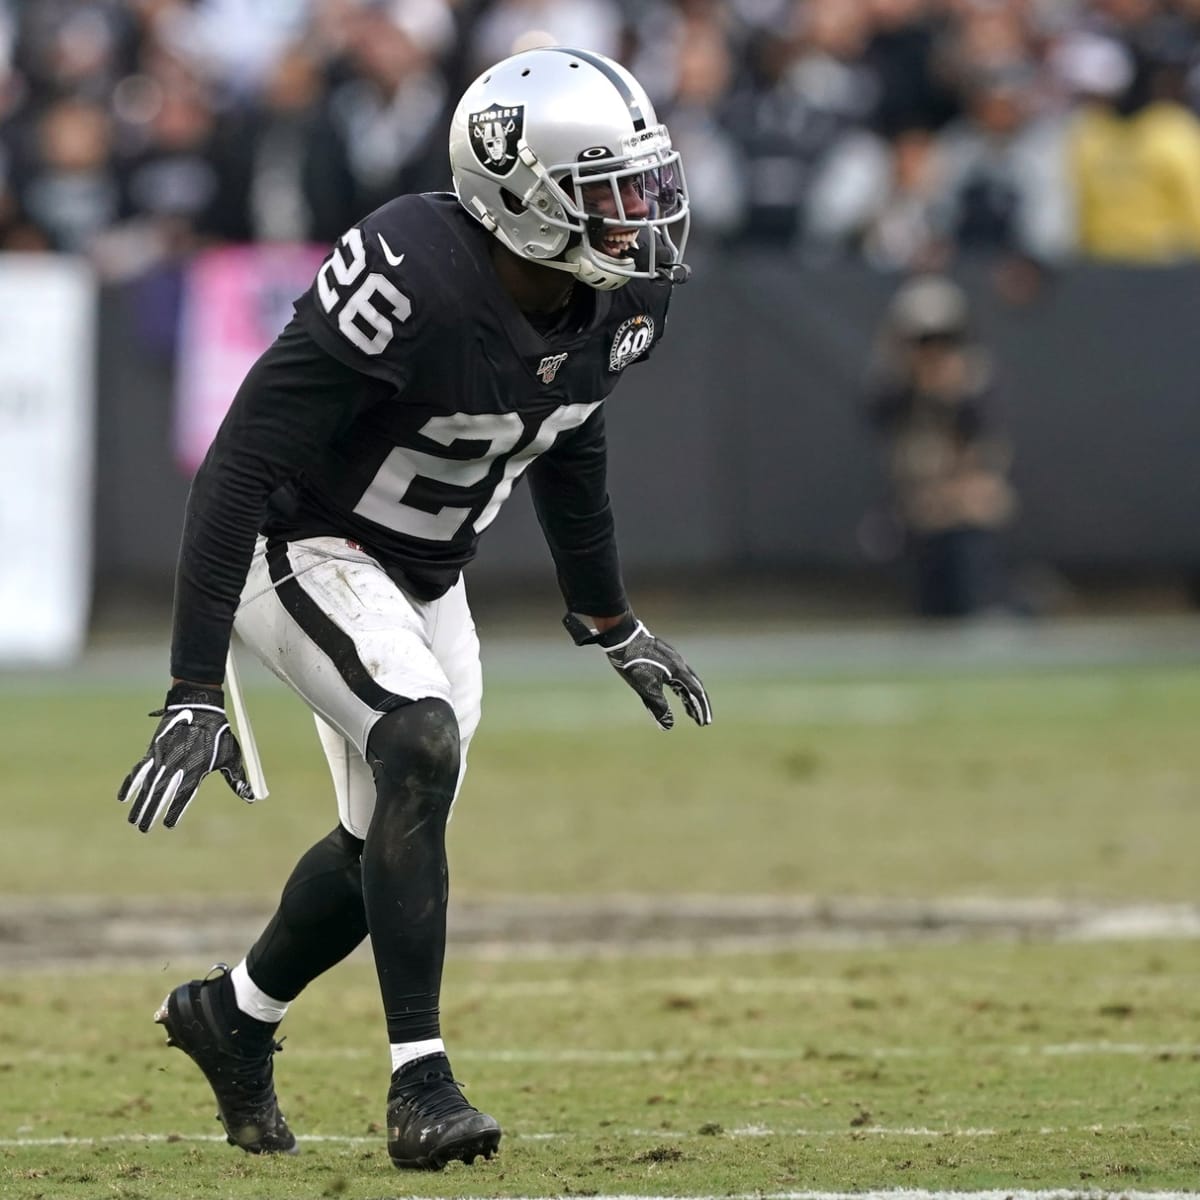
[47, 434]
[742, 443]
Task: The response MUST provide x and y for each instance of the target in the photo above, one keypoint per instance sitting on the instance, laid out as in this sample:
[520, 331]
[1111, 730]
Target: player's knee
[415, 749]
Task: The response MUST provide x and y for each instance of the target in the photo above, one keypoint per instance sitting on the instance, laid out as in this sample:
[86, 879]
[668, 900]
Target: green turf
[958, 1067]
[950, 1067]
[1074, 784]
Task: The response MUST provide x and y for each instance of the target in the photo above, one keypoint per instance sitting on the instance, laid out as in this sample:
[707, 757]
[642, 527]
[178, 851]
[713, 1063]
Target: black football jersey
[398, 410]
[410, 297]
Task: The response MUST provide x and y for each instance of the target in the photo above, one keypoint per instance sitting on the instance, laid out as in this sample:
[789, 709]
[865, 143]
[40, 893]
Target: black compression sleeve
[293, 400]
[570, 496]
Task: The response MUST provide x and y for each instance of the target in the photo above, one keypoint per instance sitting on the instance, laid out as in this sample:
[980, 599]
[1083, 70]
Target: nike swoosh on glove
[192, 740]
[648, 665]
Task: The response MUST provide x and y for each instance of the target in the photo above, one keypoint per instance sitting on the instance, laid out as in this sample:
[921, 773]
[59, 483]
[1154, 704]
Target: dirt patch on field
[36, 931]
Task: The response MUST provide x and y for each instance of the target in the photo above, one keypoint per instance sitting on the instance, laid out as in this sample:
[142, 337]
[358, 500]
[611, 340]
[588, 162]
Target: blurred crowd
[901, 132]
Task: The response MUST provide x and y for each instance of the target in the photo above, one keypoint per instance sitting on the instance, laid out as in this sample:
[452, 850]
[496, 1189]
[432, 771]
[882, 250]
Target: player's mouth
[616, 243]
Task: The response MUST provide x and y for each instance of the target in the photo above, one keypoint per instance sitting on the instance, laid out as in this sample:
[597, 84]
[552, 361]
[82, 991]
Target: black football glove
[647, 664]
[192, 740]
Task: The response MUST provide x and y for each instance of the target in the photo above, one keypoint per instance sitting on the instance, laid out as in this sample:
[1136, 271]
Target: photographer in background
[930, 398]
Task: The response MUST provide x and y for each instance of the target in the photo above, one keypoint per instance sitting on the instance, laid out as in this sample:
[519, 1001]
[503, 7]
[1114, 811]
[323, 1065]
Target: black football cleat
[430, 1122]
[239, 1070]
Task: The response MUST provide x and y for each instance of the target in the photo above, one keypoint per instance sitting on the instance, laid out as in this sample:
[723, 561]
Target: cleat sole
[476, 1145]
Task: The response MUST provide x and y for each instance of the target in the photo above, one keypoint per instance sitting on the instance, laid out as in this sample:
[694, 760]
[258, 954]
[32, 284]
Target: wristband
[582, 635]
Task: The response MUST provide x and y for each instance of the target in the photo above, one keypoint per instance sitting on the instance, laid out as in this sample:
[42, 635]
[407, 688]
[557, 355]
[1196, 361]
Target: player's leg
[227, 1021]
[320, 918]
[418, 757]
[319, 921]
[309, 933]
[328, 611]
[413, 753]
[332, 610]
[419, 760]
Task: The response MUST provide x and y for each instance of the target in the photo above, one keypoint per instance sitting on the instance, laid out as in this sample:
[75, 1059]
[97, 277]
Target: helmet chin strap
[574, 261]
[592, 272]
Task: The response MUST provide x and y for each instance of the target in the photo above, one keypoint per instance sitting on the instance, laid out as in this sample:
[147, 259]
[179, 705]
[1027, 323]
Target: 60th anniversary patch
[632, 340]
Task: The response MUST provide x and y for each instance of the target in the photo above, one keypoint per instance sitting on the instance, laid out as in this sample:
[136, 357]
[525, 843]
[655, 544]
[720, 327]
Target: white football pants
[325, 617]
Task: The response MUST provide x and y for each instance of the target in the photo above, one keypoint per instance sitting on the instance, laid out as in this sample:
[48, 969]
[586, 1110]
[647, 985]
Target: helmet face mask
[621, 211]
[557, 152]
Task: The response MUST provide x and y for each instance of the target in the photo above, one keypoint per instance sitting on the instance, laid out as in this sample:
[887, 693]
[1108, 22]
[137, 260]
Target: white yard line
[747, 1131]
[878, 1194]
[600, 1056]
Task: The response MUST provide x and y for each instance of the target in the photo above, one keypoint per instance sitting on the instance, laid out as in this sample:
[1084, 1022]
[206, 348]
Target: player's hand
[648, 665]
[192, 740]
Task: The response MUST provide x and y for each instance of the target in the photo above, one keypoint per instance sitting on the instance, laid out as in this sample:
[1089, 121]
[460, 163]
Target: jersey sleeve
[373, 299]
[570, 496]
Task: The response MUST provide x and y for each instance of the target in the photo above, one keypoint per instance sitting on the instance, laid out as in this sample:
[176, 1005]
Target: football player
[449, 344]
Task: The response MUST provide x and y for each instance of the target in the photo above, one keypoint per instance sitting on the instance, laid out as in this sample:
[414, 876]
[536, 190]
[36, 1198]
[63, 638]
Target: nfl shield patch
[548, 367]
[494, 135]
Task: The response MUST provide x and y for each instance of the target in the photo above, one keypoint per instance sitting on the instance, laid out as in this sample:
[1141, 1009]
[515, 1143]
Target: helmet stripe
[605, 68]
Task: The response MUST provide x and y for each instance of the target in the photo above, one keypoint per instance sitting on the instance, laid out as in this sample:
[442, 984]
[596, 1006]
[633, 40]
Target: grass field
[1065, 783]
[977, 1064]
[944, 1067]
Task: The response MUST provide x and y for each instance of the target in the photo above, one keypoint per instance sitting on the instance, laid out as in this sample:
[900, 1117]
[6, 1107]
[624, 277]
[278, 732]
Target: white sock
[405, 1052]
[252, 1000]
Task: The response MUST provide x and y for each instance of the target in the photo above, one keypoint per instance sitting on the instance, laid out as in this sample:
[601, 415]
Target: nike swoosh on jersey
[394, 259]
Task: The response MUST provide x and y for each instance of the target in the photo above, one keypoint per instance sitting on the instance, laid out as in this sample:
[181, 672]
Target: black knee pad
[415, 748]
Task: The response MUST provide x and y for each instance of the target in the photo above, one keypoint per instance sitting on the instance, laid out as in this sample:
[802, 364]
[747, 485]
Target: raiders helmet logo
[495, 133]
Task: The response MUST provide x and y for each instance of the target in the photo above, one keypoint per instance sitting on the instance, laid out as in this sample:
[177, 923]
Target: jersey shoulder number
[373, 297]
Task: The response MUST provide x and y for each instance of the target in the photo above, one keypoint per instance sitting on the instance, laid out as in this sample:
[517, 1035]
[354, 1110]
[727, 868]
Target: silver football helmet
[559, 154]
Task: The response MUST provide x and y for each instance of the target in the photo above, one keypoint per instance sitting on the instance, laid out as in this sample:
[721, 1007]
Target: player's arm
[570, 496]
[569, 484]
[293, 400]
